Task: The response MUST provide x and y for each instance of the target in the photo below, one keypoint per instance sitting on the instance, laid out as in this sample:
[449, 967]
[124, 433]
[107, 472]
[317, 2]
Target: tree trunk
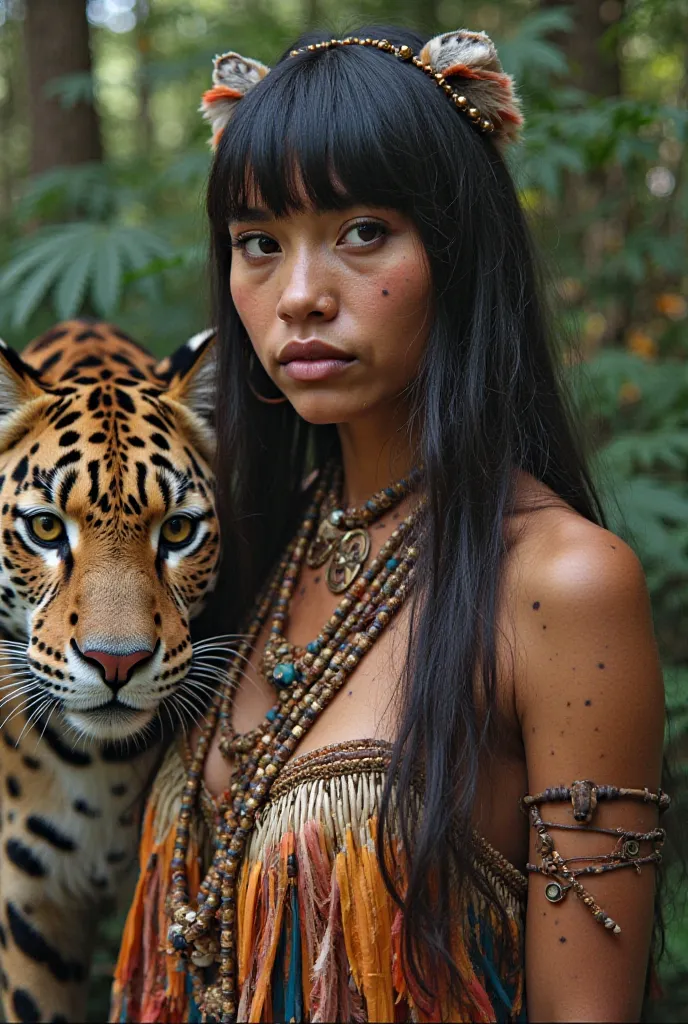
[143, 49]
[7, 71]
[57, 43]
[595, 67]
[593, 60]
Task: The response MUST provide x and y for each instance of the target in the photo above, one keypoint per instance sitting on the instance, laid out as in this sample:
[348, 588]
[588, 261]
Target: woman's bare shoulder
[555, 550]
[581, 629]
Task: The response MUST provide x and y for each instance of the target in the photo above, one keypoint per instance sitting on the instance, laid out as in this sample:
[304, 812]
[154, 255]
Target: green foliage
[83, 266]
[529, 55]
[72, 89]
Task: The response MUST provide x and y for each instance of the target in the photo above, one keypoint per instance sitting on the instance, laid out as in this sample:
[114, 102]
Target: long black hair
[349, 126]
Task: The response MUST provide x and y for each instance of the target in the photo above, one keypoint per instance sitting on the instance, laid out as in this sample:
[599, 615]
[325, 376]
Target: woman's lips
[315, 369]
[313, 359]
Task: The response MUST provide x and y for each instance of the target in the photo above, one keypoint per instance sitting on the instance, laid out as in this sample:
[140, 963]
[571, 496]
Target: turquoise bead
[284, 674]
[313, 647]
[392, 563]
[271, 715]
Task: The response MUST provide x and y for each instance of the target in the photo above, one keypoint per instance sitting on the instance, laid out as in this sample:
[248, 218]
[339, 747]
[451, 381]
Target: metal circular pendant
[631, 848]
[554, 892]
[348, 560]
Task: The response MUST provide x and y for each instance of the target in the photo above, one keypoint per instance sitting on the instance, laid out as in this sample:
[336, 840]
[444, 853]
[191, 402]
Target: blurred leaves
[72, 89]
[529, 54]
[79, 266]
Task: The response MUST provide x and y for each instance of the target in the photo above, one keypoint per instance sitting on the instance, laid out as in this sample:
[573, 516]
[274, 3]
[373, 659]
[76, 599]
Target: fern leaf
[107, 277]
[29, 296]
[69, 293]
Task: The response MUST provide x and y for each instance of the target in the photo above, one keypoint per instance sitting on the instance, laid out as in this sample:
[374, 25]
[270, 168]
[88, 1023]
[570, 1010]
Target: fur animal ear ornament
[233, 77]
[470, 63]
[464, 64]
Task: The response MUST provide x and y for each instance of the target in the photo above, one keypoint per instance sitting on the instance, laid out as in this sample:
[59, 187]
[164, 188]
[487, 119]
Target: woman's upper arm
[591, 703]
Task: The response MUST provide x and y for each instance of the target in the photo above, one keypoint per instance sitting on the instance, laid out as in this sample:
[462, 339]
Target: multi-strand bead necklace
[204, 934]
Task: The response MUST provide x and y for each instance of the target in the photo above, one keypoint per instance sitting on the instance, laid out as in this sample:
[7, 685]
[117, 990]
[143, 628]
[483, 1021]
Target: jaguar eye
[46, 528]
[178, 531]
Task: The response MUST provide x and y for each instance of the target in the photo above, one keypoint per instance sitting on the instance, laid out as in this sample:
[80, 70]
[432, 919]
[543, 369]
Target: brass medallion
[348, 560]
[324, 542]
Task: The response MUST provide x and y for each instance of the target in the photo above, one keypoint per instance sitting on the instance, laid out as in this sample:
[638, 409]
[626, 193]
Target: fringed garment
[319, 938]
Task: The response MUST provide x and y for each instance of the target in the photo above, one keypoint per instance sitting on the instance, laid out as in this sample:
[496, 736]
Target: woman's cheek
[249, 305]
[239, 291]
[402, 302]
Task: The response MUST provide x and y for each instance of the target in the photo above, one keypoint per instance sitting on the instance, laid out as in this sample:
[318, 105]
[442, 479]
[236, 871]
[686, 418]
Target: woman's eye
[46, 528]
[364, 233]
[258, 245]
[178, 530]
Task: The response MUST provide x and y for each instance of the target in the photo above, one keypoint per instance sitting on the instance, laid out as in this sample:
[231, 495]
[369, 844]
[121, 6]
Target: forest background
[103, 160]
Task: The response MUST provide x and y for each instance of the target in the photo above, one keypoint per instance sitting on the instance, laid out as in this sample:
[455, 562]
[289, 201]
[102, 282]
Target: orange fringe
[348, 926]
[146, 986]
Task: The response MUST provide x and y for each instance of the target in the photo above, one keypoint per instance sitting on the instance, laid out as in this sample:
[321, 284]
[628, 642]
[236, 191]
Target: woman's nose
[306, 295]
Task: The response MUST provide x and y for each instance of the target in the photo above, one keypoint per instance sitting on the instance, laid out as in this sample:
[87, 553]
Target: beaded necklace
[204, 935]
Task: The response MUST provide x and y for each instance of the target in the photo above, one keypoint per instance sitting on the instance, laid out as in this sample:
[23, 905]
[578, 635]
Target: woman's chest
[369, 706]
[363, 708]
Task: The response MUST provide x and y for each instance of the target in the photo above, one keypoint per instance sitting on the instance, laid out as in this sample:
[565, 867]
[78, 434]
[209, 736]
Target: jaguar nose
[117, 669]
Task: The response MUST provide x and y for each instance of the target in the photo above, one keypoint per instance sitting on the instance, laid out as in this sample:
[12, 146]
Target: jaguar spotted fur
[109, 545]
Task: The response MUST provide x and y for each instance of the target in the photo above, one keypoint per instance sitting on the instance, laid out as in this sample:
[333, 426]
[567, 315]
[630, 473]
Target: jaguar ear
[472, 56]
[21, 395]
[189, 375]
[233, 77]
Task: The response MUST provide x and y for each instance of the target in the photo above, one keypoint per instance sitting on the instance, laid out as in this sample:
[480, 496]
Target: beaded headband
[485, 95]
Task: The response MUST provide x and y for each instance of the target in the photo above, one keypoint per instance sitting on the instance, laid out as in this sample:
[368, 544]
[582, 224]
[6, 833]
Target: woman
[383, 817]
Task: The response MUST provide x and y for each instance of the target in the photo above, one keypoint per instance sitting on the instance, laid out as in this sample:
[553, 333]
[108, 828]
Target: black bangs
[332, 129]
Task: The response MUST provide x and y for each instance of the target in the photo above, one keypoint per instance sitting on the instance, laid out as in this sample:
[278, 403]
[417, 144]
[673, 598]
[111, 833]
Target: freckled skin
[318, 261]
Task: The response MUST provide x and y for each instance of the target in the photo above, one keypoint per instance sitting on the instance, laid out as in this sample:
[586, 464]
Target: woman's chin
[322, 409]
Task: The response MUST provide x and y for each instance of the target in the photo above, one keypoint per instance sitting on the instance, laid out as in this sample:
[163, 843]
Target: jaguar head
[110, 539]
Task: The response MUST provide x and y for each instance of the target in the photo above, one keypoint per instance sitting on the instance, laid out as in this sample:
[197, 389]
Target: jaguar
[109, 546]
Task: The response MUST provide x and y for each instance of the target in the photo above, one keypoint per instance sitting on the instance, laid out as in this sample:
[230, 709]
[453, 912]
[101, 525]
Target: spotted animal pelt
[109, 546]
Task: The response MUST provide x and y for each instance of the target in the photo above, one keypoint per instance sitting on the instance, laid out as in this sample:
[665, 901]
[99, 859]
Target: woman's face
[336, 304]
